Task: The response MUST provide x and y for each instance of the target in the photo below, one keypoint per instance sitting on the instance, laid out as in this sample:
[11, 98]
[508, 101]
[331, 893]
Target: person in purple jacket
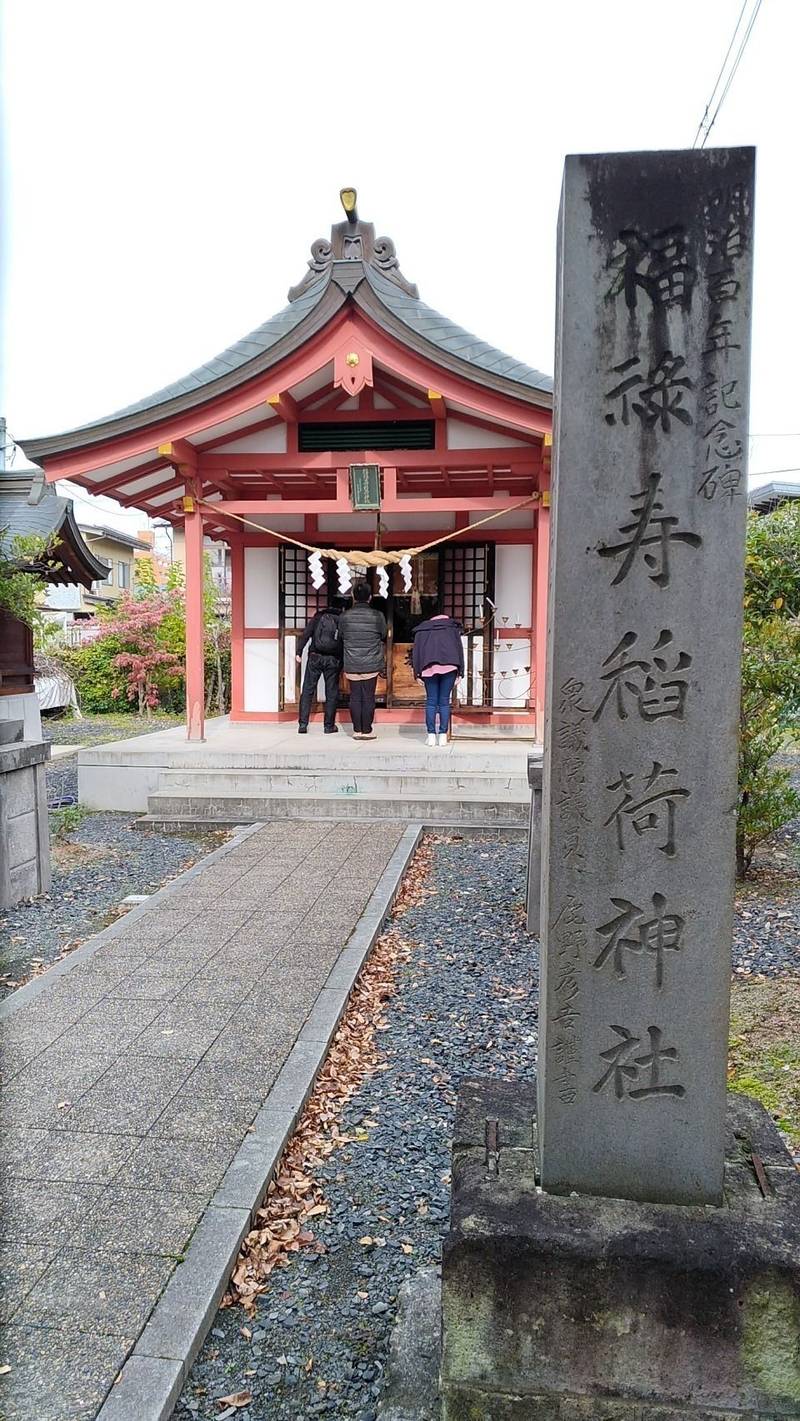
[438, 661]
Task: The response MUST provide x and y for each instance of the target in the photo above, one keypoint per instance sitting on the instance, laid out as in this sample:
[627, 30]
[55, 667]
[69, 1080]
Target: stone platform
[246, 773]
[149, 1083]
[572, 1308]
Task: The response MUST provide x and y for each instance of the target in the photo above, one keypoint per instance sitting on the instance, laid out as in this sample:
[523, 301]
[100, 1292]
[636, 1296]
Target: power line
[719, 76]
[706, 124]
[732, 74]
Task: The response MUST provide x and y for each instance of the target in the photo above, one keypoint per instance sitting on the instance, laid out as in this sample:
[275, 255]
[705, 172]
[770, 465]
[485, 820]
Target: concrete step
[439, 807]
[475, 730]
[425, 780]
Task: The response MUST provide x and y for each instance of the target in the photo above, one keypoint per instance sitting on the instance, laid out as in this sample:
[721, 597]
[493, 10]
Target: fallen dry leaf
[5, 1369]
[295, 1195]
[237, 1399]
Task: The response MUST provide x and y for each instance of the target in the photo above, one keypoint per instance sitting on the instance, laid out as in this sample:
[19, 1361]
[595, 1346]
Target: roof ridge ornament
[353, 241]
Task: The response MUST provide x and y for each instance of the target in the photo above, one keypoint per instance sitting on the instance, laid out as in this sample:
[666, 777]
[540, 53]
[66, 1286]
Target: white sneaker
[442, 738]
[431, 740]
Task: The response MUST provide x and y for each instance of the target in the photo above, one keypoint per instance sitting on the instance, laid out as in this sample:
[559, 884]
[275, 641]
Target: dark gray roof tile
[452, 338]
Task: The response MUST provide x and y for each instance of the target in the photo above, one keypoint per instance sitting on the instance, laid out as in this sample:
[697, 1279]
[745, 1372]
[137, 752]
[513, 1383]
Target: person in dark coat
[438, 661]
[363, 630]
[325, 652]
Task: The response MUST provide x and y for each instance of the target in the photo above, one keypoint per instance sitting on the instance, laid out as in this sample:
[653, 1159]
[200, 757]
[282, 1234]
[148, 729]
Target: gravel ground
[88, 886]
[767, 928]
[337, 1308]
[321, 1332]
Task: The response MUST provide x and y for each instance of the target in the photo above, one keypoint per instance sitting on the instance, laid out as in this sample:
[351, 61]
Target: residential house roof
[31, 508]
[772, 495]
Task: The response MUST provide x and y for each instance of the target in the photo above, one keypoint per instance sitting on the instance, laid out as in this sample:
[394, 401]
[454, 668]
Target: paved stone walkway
[130, 1082]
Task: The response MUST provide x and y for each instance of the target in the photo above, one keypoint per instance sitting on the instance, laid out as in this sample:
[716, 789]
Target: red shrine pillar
[540, 580]
[195, 677]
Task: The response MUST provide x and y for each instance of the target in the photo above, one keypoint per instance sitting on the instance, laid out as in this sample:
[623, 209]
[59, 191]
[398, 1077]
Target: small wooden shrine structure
[264, 447]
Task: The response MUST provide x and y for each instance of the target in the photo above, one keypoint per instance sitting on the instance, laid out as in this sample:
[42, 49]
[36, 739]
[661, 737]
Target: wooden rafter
[277, 464]
[285, 406]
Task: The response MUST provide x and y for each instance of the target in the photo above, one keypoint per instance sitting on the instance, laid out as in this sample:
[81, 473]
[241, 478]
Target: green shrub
[97, 679]
[770, 678]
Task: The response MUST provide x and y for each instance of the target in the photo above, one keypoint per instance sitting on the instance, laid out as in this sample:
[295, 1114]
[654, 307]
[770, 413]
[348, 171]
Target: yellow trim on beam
[546, 498]
[548, 441]
[188, 504]
[165, 451]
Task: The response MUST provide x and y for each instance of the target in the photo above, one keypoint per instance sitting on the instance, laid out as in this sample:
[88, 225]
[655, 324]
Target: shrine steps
[435, 796]
[243, 773]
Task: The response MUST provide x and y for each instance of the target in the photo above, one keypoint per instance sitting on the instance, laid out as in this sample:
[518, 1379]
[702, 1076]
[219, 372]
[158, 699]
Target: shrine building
[265, 447]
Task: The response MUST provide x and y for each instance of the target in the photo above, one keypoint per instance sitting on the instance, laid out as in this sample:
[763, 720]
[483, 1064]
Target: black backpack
[325, 639]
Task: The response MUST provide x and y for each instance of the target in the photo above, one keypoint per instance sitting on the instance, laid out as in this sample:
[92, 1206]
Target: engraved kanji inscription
[656, 265]
[660, 393]
[652, 533]
[648, 809]
[637, 930]
[571, 938]
[652, 686]
[639, 1077]
[569, 793]
[724, 455]
[719, 336]
[719, 396]
[724, 218]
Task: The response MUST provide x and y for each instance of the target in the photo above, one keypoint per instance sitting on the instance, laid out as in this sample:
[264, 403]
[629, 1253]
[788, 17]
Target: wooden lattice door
[468, 589]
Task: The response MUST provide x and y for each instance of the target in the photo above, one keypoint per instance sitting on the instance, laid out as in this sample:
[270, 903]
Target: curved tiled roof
[373, 281]
[250, 347]
[453, 339]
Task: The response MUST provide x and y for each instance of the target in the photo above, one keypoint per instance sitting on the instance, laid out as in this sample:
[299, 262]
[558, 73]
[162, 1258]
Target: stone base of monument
[578, 1308]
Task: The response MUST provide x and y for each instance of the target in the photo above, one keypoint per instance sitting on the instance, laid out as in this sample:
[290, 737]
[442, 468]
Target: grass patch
[764, 1059]
[65, 821]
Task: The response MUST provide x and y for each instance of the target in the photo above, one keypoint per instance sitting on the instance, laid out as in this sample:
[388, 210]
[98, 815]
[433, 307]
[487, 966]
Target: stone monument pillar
[646, 578]
[624, 1242]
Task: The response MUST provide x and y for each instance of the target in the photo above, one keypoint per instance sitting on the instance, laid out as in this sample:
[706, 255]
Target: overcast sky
[167, 164]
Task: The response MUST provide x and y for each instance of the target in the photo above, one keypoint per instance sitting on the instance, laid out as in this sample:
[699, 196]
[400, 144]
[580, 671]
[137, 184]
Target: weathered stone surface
[577, 1308]
[534, 886]
[411, 1386]
[24, 831]
[646, 574]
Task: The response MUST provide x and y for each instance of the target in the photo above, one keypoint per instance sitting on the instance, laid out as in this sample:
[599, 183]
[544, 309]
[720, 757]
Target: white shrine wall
[260, 660]
[513, 655]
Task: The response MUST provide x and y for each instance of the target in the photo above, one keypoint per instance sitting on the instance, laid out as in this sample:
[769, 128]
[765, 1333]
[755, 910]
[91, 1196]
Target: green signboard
[365, 487]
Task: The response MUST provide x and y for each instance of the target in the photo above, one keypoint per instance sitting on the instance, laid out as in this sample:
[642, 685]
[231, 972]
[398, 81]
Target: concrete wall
[24, 707]
[24, 830]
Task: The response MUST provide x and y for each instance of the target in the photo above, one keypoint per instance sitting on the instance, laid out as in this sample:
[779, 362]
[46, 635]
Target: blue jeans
[438, 690]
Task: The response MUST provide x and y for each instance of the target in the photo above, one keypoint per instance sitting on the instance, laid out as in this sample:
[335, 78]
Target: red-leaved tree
[146, 662]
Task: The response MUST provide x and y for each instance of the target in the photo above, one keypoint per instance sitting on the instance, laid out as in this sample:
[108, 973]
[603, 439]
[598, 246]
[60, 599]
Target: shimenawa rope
[361, 557]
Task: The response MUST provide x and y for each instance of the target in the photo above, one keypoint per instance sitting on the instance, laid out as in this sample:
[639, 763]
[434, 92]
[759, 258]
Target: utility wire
[733, 72]
[706, 124]
[719, 76]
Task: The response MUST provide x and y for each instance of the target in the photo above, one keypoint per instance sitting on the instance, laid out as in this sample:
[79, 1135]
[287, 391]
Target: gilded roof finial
[349, 197]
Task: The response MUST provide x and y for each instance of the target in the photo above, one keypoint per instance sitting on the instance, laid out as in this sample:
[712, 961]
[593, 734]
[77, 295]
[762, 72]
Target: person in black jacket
[324, 659]
[363, 630]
